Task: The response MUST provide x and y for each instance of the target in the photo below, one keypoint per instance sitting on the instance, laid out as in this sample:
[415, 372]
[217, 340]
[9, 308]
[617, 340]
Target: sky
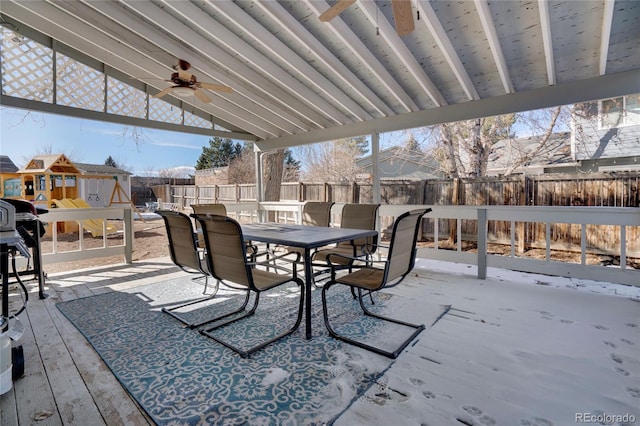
[25, 134]
[22, 136]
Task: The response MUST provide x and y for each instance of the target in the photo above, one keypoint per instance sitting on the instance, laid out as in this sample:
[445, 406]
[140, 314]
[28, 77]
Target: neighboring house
[555, 156]
[97, 185]
[606, 134]
[400, 164]
[605, 137]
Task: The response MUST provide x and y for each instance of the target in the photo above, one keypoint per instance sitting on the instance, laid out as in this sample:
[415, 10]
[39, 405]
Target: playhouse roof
[52, 163]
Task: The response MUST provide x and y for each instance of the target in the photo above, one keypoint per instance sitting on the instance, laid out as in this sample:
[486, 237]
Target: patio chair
[357, 216]
[227, 260]
[314, 213]
[201, 209]
[217, 209]
[400, 261]
[185, 254]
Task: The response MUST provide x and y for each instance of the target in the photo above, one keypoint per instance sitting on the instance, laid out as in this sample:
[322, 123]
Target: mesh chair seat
[400, 261]
[365, 278]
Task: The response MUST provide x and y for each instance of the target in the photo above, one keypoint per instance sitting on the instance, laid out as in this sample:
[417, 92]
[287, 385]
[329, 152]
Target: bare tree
[333, 161]
[463, 148]
[543, 123]
[242, 169]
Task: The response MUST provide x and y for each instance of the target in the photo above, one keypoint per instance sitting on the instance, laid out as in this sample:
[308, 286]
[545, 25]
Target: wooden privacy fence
[610, 190]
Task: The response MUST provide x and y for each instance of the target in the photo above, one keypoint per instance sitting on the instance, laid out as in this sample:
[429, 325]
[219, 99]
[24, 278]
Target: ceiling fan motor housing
[175, 78]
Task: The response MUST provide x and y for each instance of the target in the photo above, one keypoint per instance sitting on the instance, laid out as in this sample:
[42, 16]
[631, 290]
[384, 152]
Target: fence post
[522, 201]
[482, 243]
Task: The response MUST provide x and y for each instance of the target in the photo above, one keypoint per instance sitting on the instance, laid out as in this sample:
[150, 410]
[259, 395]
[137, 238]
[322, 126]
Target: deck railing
[107, 217]
[450, 245]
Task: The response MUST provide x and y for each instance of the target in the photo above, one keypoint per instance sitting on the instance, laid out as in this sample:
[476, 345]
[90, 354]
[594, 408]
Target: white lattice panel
[160, 110]
[195, 121]
[78, 85]
[126, 100]
[27, 68]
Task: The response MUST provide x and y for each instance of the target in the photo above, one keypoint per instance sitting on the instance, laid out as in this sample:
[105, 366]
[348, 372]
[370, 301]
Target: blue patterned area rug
[180, 377]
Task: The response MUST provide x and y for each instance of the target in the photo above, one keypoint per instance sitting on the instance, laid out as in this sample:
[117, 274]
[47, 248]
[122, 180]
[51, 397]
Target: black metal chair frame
[418, 328]
[248, 270]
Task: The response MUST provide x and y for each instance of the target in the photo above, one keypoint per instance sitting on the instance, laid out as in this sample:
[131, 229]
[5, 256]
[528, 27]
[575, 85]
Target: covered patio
[514, 348]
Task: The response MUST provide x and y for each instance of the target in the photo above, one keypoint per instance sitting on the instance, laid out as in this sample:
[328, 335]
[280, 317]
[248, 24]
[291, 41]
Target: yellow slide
[94, 226]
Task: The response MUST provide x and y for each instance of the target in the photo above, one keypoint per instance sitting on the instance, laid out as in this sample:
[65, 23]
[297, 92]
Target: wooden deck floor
[65, 381]
[504, 330]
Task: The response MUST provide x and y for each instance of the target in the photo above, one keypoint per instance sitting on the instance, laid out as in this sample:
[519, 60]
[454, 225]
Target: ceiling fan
[402, 14]
[186, 84]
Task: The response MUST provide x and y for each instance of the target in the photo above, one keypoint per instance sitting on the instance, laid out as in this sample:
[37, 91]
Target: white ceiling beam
[494, 43]
[144, 49]
[388, 33]
[358, 49]
[224, 37]
[215, 54]
[153, 43]
[61, 26]
[166, 51]
[68, 111]
[547, 41]
[323, 55]
[607, 86]
[286, 55]
[607, 22]
[444, 43]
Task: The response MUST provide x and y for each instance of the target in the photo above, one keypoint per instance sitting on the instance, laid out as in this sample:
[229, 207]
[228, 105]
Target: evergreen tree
[220, 152]
[291, 167]
[110, 162]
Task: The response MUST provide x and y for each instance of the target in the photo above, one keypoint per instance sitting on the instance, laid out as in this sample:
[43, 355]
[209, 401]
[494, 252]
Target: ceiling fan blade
[162, 93]
[335, 10]
[403, 16]
[216, 87]
[202, 96]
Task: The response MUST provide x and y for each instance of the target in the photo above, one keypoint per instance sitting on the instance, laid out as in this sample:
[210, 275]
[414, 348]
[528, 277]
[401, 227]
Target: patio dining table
[307, 238]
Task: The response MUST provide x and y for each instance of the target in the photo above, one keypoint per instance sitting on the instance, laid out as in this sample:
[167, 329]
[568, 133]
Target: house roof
[421, 165]
[100, 169]
[298, 80]
[6, 165]
[507, 152]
